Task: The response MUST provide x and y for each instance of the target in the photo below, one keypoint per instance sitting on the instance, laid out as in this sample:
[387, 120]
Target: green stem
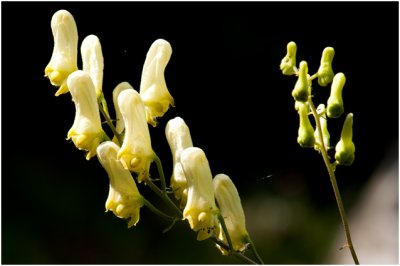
[234, 253]
[160, 172]
[332, 177]
[110, 124]
[163, 196]
[156, 211]
[225, 229]
[253, 248]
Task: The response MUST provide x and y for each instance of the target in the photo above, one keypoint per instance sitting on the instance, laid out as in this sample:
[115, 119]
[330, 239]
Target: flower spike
[153, 89]
[65, 52]
[86, 132]
[124, 199]
[200, 211]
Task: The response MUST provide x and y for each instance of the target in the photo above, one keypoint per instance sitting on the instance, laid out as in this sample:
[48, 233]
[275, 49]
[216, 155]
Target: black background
[224, 76]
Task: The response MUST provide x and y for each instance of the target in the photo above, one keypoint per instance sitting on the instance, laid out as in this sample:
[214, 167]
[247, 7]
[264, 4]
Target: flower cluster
[319, 138]
[211, 206]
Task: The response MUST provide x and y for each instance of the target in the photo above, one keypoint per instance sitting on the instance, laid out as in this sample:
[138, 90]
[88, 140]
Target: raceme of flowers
[201, 197]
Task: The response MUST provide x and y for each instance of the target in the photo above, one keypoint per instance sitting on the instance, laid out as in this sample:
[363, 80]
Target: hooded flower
[86, 132]
[335, 106]
[305, 136]
[124, 199]
[120, 126]
[136, 153]
[288, 63]
[200, 211]
[178, 137]
[325, 72]
[231, 209]
[65, 52]
[302, 88]
[93, 61]
[153, 89]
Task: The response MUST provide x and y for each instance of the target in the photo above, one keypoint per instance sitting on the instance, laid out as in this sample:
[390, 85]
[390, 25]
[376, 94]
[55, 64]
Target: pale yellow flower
[200, 211]
[65, 52]
[124, 199]
[93, 61]
[86, 132]
[120, 126]
[178, 137]
[345, 148]
[153, 89]
[231, 209]
[136, 153]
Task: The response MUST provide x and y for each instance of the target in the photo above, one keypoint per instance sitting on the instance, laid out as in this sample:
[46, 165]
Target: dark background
[224, 76]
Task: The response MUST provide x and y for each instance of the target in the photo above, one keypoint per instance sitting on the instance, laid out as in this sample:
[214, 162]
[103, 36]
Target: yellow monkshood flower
[93, 61]
[345, 148]
[120, 126]
[65, 52]
[153, 89]
[136, 153]
[200, 211]
[231, 209]
[305, 136]
[86, 132]
[288, 63]
[325, 72]
[124, 199]
[178, 137]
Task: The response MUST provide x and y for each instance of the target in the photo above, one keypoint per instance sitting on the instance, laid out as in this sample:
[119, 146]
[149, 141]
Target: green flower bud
[345, 148]
[324, 127]
[325, 72]
[302, 89]
[335, 101]
[305, 137]
[288, 63]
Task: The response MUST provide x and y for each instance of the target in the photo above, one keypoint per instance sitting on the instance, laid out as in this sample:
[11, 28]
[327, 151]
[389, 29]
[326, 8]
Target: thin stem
[160, 172]
[110, 123]
[163, 196]
[253, 248]
[223, 225]
[236, 254]
[156, 211]
[332, 177]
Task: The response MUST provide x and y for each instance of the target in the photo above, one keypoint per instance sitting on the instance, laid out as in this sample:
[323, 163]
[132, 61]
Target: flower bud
[93, 61]
[86, 132]
[302, 88]
[345, 148]
[324, 127]
[153, 89]
[231, 209]
[305, 136]
[124, 199]
[335, 101]
[200, 211]
[65, 52]
[325, 73]
[288, 63]
[178, 137]
[136, 153]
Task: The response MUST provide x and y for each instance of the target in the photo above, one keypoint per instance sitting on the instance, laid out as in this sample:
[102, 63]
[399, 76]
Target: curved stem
[223, 225]
[234, 253]
[110, 123]
[160, 172]
[156, 211]
[332, 177]
[253, 248]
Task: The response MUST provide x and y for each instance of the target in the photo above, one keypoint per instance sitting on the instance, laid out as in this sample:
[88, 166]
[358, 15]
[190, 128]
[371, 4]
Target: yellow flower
[178, 137]
[120, 126]
[302, 88]
[231, 209]
[93, 61]
[153, 89]
[86, 132]
[305, 136]
[124, 199]
[325, 72]
[136, 153]
[200, 211]
[65, 52]
[288, 63]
